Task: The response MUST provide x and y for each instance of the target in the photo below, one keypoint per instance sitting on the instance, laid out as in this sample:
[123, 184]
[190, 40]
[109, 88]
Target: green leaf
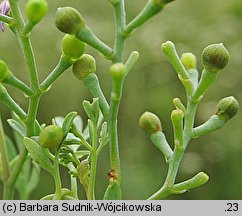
[58, 120]
[22, 181]
[17, 127]
[104, 134]
[68, 122]
[10, 148]
[38, 155]
[82, 154]
[34, 177]
[92, 109]
[113, 191]
[71, 139]
[83, 172]
[78, 123]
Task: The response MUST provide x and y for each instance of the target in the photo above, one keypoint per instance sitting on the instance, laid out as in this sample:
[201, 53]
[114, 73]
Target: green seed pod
[215, 57]
[150, 123]
[72, 47]
[69, 20]
[51, 136]
[84, 66]
[36, 10]
[227, 108]
[113, 191]
[117, 71]
[189, 60]
[4, 71]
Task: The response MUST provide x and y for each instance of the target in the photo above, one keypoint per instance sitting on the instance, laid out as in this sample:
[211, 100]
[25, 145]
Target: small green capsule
[150, 123]
[4, 71]
[117, 71]
[84, 66]
[69, 20]
[215, 57]
[36, 10]
[189, 60]
[72, 47]
[51, 137]
[227, 108]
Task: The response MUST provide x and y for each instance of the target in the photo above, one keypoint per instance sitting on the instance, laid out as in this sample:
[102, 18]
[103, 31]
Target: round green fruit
[51, 137]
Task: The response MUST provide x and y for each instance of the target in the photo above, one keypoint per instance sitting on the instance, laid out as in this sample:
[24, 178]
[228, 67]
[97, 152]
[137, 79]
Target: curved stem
[86, 35]
[92, 84]
[8, 100]
[4, 160]
[56, 176]
[63, 64]
[25, 44]
[14, 81]
[179, 150]
[148, 11]
[91, 186]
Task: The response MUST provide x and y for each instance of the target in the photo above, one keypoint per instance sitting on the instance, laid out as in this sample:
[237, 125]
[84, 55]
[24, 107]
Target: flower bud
[72, 47]
[215, 57]
[68, 20]
[189, 60]
[227, 108]
[4, 71]
[84, 66]
[150, 123]
[36, 10]
[51, 136]
[177, 116]
[117, 71]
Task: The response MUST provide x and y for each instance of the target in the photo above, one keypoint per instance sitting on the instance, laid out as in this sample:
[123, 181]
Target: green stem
[148, 11]
[206, 80]
[4, 160]
[86, 35]
[159, 140]
[73, 181]
[14, 81]
[9, 195]
[120, 23]
[171, 176]
[179, 150]
[56, 176]
[112, 127]
[27, 50]
[117, 88]
[6, 19]
[92, 84]
[32, 113]
[212, 124]
[8, 100]
[91, 186]
[189, 122]
[63, 64]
